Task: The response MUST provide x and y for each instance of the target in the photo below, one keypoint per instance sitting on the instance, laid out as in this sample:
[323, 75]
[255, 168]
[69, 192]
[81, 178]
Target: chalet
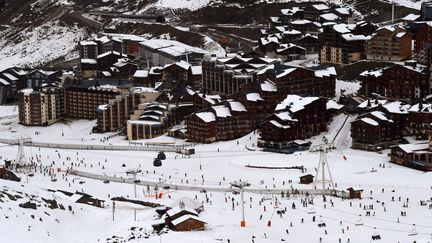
[309, 42]
[401, 82]
[260, 98]
[373, 131]
[180, 97]
[182, 72]
[306, 179]
[224, 121]
[289, 52]
[187, 223]
[416, 156]
[288, 122]
[226, 76]
[397, 45]
[423, 40]
[303, 81]
[353, 193]
[305, 26]
[269, 45]
[36, 78]
[141, 78]
[290, 14]
[313, 12]
[204, 101]
[420, 120]
[179, 211]
[342, 43]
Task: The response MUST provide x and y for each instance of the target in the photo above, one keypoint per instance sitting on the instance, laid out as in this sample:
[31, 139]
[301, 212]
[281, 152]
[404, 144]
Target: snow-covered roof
[409, 148]
[268, 86]
[141, 74]
[267, 40]
[10, 76]
[397, 107]
[321, 6]
[327, 72]
[88, 61]
[88, 43]
[222, 111]
[330, 16]
[4, 82]
[295, 103]
[178, 209]
[285, 72]
[375, 73]
[301, 22]
[344, 11]
[380, 115]
[421, 108]
[331, 104]
[352, 37]
[196, 70]
[341, 28]
[206, 116]
[103, 107]
[108, 53]
[411, 17]
[106, 73]
[277, 124]
[371, 103]
[184, 218]
[400, 34]
[171, 47]
[291, 32]
[369, 121]
[130, 37]
[285, 116]
[182, 64]
[237, 106]
[253, 97]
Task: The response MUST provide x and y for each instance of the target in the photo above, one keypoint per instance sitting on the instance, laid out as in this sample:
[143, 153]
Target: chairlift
[157, 162]
[161, 156]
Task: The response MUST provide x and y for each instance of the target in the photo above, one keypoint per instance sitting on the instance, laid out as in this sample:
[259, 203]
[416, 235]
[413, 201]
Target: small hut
[187, 223]
[354, 193]
[306, 179]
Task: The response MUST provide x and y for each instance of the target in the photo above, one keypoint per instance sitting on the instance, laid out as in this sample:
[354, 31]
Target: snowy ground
[89, 224]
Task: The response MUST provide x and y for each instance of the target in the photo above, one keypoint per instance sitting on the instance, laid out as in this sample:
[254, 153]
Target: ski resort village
[213, 121]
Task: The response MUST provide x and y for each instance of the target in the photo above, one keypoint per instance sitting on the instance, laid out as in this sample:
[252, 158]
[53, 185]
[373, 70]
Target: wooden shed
[354, 193]
[306, 179]
[187, 223]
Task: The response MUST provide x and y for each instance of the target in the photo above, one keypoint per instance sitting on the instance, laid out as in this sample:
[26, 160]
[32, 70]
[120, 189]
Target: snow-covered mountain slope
[37, 46]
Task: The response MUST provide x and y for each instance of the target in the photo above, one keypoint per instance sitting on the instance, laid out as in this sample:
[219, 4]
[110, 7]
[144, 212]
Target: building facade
[40, 107]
